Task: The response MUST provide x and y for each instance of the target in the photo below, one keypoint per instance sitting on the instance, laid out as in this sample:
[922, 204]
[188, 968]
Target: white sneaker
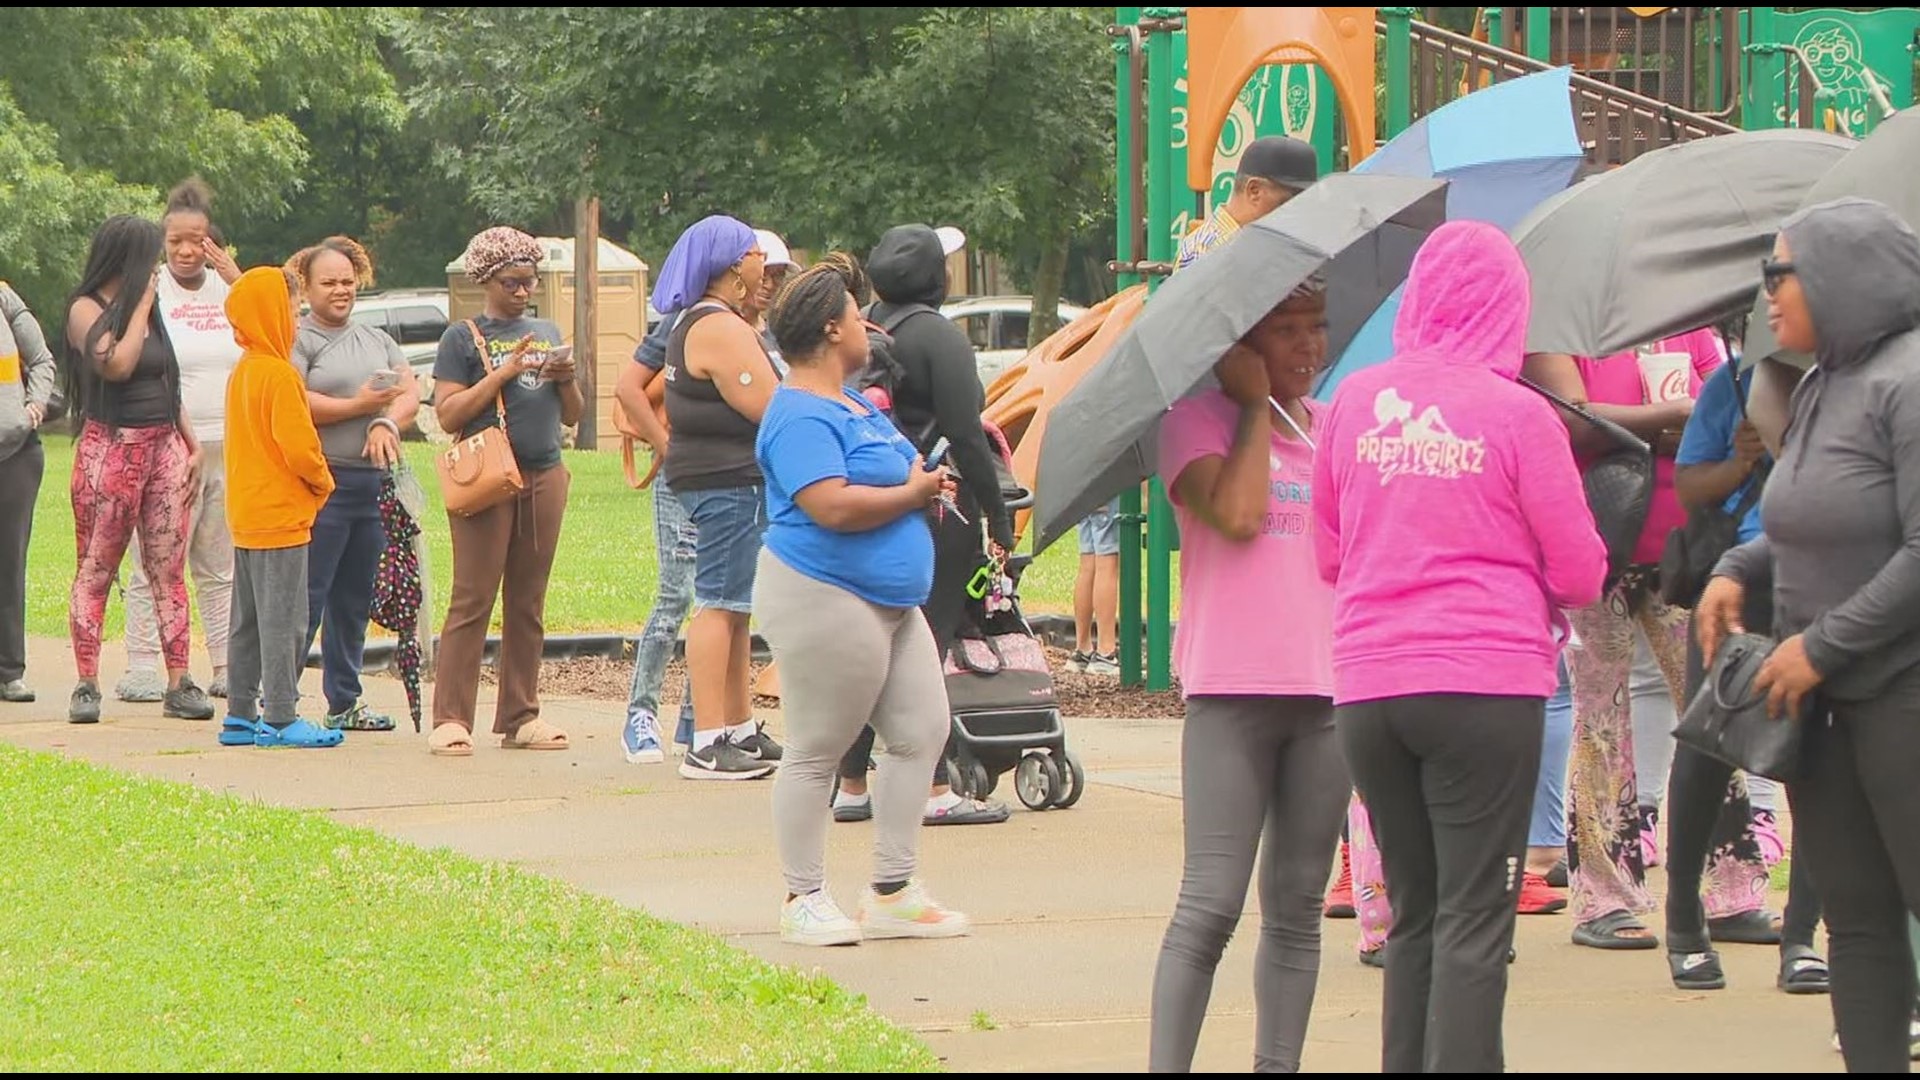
[814, 919]
[1107, 666]
[909, 913]
[141, 685]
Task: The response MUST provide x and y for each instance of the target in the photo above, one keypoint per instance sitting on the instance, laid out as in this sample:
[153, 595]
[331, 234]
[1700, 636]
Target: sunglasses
[1772, 273]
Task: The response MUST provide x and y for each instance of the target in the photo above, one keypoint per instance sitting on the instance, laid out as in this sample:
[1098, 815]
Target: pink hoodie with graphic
[1450, 515]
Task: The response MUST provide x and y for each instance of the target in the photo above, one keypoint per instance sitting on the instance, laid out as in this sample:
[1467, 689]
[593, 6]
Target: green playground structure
[1348, 79]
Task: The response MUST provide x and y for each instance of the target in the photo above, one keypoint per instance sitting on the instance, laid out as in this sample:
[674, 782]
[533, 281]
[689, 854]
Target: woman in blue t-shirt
[847, 563]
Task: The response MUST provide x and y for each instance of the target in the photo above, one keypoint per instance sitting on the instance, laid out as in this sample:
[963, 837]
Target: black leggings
[956, 556]
[1448, 781]
[1697, 821]
[1858, 808]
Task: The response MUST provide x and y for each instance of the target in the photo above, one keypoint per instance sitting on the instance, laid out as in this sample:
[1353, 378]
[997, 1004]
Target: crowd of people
[1460, 682]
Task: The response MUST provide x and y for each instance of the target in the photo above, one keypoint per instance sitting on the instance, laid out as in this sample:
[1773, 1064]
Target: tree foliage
[828, 124]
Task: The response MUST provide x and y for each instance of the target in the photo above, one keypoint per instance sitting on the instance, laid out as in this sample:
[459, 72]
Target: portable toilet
[622, 301]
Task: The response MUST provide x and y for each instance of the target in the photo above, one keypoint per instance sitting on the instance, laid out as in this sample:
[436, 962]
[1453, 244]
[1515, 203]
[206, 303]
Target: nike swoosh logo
[1694, 960]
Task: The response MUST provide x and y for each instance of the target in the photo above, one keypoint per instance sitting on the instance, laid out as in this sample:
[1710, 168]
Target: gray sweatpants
[1250, 766]
[844, 664]
[268, 646]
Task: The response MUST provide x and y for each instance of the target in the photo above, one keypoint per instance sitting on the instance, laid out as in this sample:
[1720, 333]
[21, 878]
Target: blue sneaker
[301, 734]
[640, 737]
[235, 731]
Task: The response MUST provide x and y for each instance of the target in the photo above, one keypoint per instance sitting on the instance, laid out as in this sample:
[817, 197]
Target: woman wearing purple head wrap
[719, 380]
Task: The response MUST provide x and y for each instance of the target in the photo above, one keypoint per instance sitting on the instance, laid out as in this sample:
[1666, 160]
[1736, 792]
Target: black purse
[1619, 485]
[1694, 549]
[1728, 719]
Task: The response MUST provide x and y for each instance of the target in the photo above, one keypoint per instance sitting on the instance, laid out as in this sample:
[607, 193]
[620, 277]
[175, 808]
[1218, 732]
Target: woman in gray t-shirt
[362, 394]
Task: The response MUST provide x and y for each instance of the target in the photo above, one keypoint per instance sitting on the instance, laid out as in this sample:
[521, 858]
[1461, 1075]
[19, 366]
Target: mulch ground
[1078, 694]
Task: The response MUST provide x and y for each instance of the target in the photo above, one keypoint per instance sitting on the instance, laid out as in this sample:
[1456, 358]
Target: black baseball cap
[1282, 160]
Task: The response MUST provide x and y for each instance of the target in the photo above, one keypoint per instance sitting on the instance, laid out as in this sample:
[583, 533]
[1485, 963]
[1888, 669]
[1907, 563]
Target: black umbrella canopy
[1359, 233]
[1667, 243]
[1885, 167]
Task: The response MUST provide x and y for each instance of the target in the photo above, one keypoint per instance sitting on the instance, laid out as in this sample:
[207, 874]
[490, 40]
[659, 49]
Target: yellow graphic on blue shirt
[538, 351]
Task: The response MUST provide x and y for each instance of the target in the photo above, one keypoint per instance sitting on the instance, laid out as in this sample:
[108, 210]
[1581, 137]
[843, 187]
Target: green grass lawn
[150, 926]
[603, 580]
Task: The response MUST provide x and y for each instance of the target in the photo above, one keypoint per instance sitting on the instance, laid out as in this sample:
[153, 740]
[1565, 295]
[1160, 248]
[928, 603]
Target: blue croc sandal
[237, 732]
[301, 734]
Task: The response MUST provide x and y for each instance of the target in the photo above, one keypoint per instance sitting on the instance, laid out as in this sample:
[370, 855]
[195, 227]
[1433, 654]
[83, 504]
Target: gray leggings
[1251, 766]
[845, 663]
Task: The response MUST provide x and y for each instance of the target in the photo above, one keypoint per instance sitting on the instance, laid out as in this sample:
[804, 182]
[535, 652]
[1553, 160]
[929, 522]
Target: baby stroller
[1000, 689]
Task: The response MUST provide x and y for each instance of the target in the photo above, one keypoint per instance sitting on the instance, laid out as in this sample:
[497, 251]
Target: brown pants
[522, 534]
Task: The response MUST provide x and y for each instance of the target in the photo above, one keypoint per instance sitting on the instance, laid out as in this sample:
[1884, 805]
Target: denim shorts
[1099, 535]
[730, 523]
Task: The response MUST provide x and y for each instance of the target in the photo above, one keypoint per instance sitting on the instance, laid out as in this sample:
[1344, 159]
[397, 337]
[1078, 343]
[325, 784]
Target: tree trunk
[1047, 281]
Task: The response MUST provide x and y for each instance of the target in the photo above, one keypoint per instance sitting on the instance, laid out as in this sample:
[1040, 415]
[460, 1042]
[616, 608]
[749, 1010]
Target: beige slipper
[450, 740]
[535, 735]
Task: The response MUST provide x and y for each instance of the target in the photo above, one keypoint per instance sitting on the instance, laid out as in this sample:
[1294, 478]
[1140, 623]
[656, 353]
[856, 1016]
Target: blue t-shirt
[804, 439]
[1708, 438]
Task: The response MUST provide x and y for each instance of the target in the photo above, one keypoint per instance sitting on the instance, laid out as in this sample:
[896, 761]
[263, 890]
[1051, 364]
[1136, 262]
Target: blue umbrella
[1502, 151]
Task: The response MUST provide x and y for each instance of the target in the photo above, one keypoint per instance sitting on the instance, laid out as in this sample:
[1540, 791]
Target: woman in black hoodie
[939, 396]
[1842, 533]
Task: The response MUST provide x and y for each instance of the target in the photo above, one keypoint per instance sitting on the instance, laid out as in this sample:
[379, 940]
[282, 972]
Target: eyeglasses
[1772, 273]
[518, 285]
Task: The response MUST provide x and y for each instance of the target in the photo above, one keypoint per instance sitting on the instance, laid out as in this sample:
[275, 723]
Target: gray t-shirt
[533, 403]
[336, 363]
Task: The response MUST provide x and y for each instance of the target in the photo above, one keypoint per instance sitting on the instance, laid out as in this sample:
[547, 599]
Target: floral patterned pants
[1605, 863]
[126, 480]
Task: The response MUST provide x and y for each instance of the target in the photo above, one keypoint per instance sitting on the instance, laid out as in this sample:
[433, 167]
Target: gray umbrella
[1884, 167]
[1360, 232]
[1667, 243]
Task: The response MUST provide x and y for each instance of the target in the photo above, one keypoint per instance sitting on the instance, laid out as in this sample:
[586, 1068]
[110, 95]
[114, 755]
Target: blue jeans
[342, 560]
[673, 538]
[730, 524]
[1549, 827]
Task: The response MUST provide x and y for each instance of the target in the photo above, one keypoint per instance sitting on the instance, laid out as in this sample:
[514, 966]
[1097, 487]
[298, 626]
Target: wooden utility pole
[586, 316]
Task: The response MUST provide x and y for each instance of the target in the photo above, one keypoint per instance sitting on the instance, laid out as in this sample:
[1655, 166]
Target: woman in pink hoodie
[1451, 520]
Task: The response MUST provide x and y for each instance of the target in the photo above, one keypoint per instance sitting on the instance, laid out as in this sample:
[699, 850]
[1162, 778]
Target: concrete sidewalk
[1068, 906]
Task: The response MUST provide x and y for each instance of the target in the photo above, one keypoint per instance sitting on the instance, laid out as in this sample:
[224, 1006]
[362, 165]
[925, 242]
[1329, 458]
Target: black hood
[908, 267]
[1859, 266]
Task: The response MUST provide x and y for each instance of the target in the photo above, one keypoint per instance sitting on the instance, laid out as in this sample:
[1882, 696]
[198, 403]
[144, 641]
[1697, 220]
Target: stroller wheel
[1036, 780]
[1074, 781]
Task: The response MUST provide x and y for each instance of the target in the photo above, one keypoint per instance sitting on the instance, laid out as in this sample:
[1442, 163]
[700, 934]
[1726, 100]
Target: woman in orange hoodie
[277, 480]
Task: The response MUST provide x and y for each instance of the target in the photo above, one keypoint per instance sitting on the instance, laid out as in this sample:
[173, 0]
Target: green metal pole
[1399, 22]
[1126, 215]
[1166, 183]
[1539, 31]
[1496, 23]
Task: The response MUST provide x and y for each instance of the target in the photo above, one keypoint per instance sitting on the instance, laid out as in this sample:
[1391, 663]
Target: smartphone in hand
[937, 456]
[385, 379]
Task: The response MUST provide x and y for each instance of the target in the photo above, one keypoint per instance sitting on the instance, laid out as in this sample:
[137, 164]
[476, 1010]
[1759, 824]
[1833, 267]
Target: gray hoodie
[1842, 507]
[26, 371]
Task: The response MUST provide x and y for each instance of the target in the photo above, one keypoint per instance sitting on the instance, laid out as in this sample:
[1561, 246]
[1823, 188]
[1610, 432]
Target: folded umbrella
[1359, 232]
[1883, 168]
[1668, 243]
[1502, 151]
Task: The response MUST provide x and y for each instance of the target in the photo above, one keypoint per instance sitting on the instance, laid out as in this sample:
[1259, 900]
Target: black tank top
[150, 397]
[711, 445]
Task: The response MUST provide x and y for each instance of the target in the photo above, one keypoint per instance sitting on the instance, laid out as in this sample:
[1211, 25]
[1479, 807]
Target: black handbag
[1728, 719]
[1694, 549]
[1619, 485]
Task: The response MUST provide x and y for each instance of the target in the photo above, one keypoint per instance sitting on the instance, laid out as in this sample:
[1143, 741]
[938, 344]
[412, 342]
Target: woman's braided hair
[808, 303]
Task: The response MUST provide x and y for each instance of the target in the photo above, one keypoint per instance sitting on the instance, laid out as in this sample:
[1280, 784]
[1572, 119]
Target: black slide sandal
[1604, 933]
[1803, 971]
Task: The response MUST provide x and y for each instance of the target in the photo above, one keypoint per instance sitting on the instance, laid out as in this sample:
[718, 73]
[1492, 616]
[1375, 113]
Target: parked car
[997, 327]
[416, 318]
